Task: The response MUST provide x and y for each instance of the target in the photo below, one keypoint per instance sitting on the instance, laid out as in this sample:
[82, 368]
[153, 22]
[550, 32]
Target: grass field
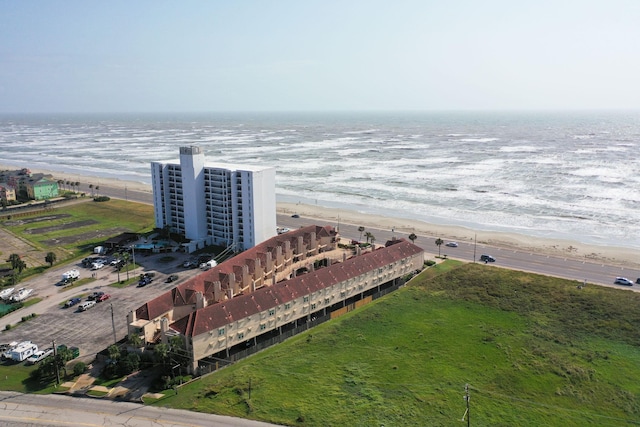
[535, 351]
[73, 231]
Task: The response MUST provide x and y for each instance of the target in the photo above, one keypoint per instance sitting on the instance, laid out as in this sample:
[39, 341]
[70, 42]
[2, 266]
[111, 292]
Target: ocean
[569, 175]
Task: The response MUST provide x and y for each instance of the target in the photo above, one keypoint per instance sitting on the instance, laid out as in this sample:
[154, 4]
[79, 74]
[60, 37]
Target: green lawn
[535, 351]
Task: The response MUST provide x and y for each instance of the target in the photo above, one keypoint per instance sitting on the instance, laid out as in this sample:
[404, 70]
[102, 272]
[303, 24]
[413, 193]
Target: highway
[569, 268]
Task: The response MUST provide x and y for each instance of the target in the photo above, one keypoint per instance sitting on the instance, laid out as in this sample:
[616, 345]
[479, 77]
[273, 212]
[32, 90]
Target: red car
[103, 297]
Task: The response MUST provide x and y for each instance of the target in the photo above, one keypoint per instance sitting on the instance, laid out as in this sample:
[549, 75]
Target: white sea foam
[546, 175]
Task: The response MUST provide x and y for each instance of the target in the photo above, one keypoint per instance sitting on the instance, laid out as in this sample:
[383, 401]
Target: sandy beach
[554, 247]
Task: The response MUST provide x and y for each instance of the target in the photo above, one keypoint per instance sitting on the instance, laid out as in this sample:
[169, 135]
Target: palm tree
[439, 243]
[66, 183]
[373, 239]
[125, 257]
[14, 259]
[360, 229]
[368, 236]
[97, 188]
[50, 258]
[413, 237]
[21, 266]
[77, 184]
[91, 188]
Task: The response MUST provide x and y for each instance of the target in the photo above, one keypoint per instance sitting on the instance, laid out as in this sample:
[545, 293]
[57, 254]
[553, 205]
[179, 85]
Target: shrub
[429, 263]
[79, 368]
[101, 199]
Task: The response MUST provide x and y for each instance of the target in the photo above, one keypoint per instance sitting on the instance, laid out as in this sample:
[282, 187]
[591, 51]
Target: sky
[307, 55]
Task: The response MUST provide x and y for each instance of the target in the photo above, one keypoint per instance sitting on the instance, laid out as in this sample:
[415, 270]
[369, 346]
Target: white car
[623, 281]
[39, 356]
[97, 266]
[452, 244]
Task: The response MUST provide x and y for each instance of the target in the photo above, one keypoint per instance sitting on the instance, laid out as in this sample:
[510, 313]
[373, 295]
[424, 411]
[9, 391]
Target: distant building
[7, 192]
[214, 204]
[40, 187]
[272, 291]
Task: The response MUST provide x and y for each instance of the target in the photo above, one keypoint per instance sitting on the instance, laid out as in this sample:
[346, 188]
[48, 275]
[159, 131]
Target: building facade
[281, 285]
[7, 192]
[214, 204]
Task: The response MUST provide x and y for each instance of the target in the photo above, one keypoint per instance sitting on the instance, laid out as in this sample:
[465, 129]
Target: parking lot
[91, 330]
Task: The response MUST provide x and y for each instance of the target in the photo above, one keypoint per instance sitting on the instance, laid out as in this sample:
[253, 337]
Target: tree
[161, 353]
[360, 229]
[21, 266]
[14, 259]
[125, 258]
[368, 236]
[413, 237]
[66, 183]
[114, 352]
[439, 243]
[50, 258]
[373, 239]
[135, 340]
[77, 184]
[91, 188]
[97, 189]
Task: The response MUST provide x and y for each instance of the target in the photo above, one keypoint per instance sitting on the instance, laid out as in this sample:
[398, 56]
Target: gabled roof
[220, 314]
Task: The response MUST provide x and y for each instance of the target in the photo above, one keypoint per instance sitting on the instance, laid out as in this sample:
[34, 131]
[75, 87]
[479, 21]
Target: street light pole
[113, 324]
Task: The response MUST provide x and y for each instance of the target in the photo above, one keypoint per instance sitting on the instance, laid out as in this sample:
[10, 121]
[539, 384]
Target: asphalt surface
[24, 410]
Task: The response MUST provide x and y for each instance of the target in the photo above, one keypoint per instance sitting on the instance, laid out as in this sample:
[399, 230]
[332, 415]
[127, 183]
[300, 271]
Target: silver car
[623, 281]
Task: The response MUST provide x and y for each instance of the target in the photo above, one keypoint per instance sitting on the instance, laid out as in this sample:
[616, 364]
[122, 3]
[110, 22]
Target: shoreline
[626, 257]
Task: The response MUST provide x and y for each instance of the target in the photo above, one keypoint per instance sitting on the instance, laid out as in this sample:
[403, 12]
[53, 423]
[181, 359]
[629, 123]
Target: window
[272, 311]
[287, 306]
[263, 326]
[306, 299]
[326, 300]
[220, 331]
[313, 306]
[241, 335]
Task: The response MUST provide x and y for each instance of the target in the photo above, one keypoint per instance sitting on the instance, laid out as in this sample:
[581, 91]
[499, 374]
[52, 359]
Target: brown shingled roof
[220, 314]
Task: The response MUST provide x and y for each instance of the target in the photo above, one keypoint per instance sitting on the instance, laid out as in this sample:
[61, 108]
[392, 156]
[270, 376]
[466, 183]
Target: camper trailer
[71, 275]
[22, 351]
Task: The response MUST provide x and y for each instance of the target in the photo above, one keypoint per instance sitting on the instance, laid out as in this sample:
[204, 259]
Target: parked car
[171, 278]
[86, 305]
[145, 279]
[72, 302]
[97, 266]
[295, 216]
[452, 244]
[638, 280]
[623, 281]
[39, 356]
[103, 297]
[94, 296]
[188, 264]
[487, 258]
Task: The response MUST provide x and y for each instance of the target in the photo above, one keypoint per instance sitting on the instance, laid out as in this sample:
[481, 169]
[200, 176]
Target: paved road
[568, 268]
[18, 410]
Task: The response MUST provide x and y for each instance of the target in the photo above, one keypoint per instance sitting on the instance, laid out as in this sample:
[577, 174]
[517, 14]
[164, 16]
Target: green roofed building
[41, 188]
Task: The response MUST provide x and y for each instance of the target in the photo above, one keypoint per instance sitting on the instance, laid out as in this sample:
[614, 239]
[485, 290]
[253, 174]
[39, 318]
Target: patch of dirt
[89, 235]
[76, 224]
[34, 220]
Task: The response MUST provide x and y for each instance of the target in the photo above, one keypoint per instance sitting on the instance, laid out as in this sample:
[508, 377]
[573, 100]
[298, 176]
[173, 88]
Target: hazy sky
[308, 55]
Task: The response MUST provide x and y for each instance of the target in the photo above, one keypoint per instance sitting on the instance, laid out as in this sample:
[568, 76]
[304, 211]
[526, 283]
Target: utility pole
[466, 412]
[55, 362]
[113, 324]
[475, 242]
